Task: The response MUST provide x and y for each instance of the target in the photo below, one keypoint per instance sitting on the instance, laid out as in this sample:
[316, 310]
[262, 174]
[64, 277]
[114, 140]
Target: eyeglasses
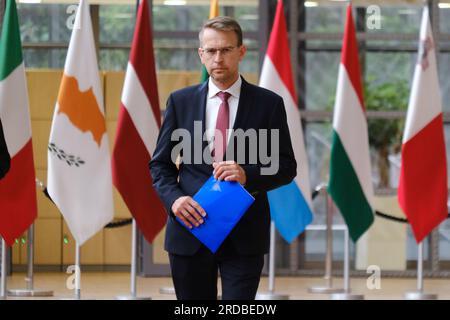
[211, 52]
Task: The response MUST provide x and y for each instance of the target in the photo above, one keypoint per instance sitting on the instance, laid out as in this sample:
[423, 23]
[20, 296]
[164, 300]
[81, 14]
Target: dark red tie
[223, 119]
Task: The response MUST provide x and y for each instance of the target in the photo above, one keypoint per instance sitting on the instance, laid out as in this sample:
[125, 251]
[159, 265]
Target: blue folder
[225, 203]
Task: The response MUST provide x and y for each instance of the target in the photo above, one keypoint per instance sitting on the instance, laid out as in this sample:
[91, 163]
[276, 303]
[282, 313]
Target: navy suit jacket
[258, 108]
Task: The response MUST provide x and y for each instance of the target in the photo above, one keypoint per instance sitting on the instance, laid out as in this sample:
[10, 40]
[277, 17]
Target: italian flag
[350, 183]
[18, 207]
[422, 190]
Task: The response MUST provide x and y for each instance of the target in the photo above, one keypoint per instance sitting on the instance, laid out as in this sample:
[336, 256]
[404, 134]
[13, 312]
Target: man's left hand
[229, 171]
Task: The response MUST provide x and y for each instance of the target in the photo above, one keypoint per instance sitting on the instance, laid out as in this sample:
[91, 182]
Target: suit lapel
[243, 111]
[201, 96]
[244, 105]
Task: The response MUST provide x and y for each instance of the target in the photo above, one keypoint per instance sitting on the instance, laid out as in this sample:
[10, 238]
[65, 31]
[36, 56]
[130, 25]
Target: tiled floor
[107, 285]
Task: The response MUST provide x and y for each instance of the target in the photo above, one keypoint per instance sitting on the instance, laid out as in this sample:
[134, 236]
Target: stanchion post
[346, 262]
[271, 295]
[329, 247]
[420, 267]
[133, 259]
[133, 290]
[30, 291]
[346, 295]
[3, 282]
[77, 272]
[419, 294]
[30, 258]
[272, 258]
[329, 250]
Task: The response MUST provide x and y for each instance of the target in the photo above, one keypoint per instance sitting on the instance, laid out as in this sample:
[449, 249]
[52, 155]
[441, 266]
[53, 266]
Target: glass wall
[46, 29]
[388, 57]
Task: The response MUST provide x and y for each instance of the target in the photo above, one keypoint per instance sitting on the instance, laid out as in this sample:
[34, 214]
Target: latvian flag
[137, 132]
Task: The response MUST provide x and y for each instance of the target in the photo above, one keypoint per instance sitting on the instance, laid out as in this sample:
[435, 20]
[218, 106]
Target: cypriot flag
[79, 169]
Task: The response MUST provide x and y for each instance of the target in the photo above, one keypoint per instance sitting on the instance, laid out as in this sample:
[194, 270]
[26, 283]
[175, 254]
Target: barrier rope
[380, 214]
[119, 223]
[392, 218]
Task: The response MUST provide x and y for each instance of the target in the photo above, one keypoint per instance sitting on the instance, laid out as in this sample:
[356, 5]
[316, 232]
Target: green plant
[385, 135]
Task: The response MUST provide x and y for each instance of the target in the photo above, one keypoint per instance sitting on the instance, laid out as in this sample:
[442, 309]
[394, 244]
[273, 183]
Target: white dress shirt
[212, 108]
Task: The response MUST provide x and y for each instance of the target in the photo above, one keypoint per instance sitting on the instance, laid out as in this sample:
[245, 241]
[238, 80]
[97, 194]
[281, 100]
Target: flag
[18, 204]
[422, 190]
[137, 132]
[5, 158]
[79, 168]
[290, 205]
[350, 183]
[213, 12]
[214, 9]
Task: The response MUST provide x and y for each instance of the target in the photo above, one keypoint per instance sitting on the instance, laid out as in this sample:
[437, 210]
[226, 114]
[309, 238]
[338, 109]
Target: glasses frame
[211, 52]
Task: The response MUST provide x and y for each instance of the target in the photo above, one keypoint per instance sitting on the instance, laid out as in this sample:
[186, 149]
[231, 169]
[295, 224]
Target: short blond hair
[222, 24]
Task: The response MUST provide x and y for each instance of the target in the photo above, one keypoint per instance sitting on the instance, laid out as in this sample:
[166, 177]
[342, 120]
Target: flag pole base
[130, 297]
[271, 296]
[325, 290]
[419, 295]
[346, 296]
[30, 293]
[167, 290]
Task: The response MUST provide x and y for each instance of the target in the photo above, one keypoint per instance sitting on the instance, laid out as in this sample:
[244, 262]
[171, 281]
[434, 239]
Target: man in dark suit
[226, 101]
[5, 159]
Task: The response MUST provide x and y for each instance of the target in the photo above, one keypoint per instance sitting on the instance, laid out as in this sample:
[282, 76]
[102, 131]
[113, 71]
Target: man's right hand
[188, 211]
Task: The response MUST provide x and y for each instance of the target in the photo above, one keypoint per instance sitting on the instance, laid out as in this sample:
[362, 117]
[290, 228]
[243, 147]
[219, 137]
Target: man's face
[221, 55]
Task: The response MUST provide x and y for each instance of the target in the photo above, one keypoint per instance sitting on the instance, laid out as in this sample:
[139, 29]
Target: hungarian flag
[18, 206]
[350, 183]
[290, 205]
[79, 168]
[137, 132]
[422, 191]
[213, 12]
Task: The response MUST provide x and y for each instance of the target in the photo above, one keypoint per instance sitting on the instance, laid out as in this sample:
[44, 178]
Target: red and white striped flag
[422, 191]
[137, 131]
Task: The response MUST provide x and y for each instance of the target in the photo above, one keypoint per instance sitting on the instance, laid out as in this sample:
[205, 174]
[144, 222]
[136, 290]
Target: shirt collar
[234, 90]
